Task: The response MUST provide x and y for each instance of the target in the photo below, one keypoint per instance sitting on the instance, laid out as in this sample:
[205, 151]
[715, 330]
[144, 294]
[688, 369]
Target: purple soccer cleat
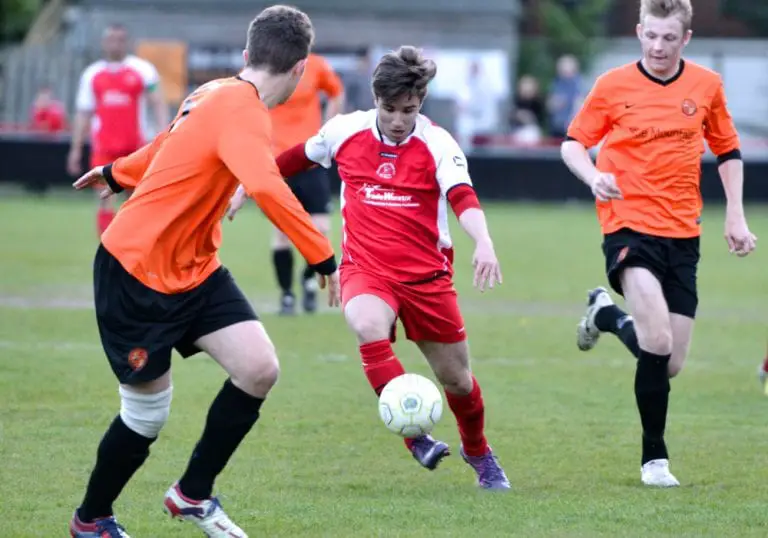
[106, 527]
[428, 451]
[490, 475]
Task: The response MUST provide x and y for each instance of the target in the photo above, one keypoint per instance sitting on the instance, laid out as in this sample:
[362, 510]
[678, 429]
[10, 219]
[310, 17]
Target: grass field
[319, 463]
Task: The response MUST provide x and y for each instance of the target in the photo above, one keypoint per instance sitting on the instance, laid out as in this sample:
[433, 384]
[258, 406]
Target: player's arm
[590, 125]
[331, 84]
[126, 172]
[245, 148]
[455, 184]
[85, 103]
[723, 140]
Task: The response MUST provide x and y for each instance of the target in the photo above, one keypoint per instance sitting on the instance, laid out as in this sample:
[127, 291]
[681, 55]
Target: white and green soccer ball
[410, 405]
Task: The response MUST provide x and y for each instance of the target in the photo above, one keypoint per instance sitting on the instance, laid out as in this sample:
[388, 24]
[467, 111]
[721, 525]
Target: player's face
[115, 43]
[662, 40]
[397, 118]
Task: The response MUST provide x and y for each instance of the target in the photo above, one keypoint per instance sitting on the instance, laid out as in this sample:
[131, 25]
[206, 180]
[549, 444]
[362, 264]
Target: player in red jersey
[110, 109]
[399, 173]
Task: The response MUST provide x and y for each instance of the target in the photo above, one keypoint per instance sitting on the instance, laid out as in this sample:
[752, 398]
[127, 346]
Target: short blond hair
[668, 8]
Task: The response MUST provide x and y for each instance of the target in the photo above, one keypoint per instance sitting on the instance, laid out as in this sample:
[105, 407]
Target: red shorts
[428, 312]
[101, 158]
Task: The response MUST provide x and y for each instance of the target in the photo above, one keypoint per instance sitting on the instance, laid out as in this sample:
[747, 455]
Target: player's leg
[228, 330]
[316, 199]
[431, 318]
[140, 357]
[106, 209]
[282, 260]
[681, 294]
[370, 308]
[648, 306]
[762, 373]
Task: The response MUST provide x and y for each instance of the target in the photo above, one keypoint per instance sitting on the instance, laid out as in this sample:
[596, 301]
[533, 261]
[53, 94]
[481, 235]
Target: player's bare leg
[646, 302]
[682, 334]
[450, 362]
[123, 449]
[105, 212]
[308, 280]
[762, 374]
[247, 354]
[372, 319]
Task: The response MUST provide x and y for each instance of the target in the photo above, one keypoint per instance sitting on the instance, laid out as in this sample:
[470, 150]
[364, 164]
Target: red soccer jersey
[114, 92]
[393, 200]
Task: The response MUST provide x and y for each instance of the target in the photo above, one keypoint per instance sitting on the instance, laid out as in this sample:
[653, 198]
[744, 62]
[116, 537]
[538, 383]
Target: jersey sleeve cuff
[110, 179]
[734, 154]
[326, 267]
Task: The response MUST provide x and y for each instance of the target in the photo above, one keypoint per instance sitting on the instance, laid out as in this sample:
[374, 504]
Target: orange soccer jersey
[654, 135]
[299, 118]
[168, 233]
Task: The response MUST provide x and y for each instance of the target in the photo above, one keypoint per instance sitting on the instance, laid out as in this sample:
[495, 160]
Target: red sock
[470, 416]
[103, 218]
[381, 366]
[765, 364]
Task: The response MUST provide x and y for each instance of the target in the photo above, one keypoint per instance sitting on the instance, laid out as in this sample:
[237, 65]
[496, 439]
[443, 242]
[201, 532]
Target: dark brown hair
[666, 8]
[403, 72]
[278, 38]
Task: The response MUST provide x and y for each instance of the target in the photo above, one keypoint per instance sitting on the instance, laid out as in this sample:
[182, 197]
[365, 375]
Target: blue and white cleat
[490, 475]
[106, 527]
[429, 452]
[208, 514]
[587, 333]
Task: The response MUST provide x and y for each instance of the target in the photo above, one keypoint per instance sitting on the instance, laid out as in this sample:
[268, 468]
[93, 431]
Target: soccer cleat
[106, 527]
[429, 452]
[490, 475]
[309, 302]
[656, 473]
[287, 305]
[208, 514]
[587, 333]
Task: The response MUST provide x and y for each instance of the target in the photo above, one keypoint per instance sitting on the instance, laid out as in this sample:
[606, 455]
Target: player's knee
[146, 414]
[280, 241]
[323, 223]
[369, 328]
[259, 373]
[656, 340]
[457, 381]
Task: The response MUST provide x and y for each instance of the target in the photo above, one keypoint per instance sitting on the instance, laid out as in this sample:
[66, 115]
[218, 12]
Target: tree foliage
[17, 16]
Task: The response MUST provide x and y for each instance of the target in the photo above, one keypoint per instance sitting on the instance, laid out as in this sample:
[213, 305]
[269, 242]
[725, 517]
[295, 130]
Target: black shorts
[139, 327]
[313, 190]
[672, 261]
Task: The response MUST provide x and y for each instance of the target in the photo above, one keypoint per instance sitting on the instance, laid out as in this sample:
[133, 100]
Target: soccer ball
[410, 405]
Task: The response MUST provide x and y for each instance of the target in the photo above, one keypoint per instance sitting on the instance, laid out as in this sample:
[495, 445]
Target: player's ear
[298, 69]
[639, 30]
[245, 56]
[687, 37]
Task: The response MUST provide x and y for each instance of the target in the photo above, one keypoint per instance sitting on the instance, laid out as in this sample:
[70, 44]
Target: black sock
[612, 319]
[231, 416]
[309, 273]
[121, 452]
[283, 261]
[652, 397]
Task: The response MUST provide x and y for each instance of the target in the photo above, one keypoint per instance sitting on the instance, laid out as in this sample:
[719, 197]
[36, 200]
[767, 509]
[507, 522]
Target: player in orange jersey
[654, 116]
[294, 122]
[159, 284]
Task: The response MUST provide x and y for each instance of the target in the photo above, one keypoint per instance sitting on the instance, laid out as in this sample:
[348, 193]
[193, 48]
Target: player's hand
[236, 202]
[334, 288]
[94, 177]
[604, 187]
[740, 240]
[74, 166]
[487, 269]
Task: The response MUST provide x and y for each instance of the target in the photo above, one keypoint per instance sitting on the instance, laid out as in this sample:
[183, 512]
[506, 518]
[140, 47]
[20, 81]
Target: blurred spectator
[48, 114]
[564, 95]
[527, 112]
[476, 107]
[357, 85]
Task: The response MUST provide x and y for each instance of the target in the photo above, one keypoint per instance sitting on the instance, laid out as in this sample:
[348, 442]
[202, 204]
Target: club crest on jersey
[689, 107]
[386, 170]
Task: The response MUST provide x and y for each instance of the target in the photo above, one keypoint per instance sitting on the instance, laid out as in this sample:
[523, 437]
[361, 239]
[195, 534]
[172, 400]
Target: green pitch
[319, 462]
